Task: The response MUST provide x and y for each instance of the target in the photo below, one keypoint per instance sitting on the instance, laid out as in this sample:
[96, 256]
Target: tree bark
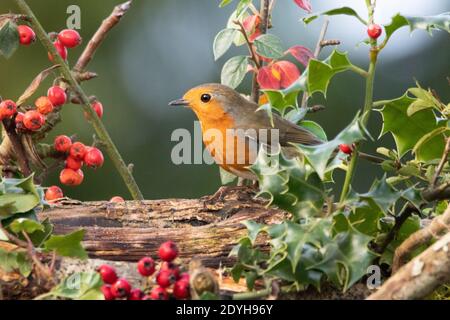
[421, 276]
[127, 231]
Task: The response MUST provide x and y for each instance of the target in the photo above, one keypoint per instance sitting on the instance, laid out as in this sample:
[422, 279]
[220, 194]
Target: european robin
[222, 110]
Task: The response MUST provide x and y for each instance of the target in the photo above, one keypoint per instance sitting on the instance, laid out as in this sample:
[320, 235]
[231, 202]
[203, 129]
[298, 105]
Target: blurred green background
[162, 48]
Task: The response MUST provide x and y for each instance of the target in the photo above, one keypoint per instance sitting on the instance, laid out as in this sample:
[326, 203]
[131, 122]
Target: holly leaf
[281, 101]
[381, 194]
[223, 41]
[79, 286]
[428, 23]
[17, 196]
[269, 46]
[288, 184]
[224, 3]
[346, 258]
[40, 236]
[15, 261]
[314, 128]
[27, 225]
[321, 72]
[409, 130]
[234, 70]
[67, 245]
[319, 156]
[338, 11]
[9, 38]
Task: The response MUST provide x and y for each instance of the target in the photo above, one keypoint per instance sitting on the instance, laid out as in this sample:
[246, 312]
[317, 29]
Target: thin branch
[421, 276]
[250, 46]
[107, 24]
[439, 225]
[441, 192]
[19, 150]
[95, 121]
[41, 268]
[399, 220]
[441, 163]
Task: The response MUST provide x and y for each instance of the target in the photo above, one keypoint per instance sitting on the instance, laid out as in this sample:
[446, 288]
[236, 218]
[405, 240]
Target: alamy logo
[234, 146]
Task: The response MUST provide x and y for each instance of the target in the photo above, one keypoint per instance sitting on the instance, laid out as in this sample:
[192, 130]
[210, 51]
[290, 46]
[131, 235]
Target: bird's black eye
[205, 97]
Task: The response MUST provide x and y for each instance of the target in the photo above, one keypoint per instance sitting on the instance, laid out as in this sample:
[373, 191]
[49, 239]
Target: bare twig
[264, 14]
[439, 225]
[118, 12]
[250, 46]
[19, 150]
[330, 42]
[399, 220]
[40, 267]
[440, 192]
[13, 238]
[441, 163]
[419, 277]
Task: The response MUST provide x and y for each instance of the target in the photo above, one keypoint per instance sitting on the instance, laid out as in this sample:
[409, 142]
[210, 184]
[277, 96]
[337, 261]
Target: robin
[222, 110]
[226, 118]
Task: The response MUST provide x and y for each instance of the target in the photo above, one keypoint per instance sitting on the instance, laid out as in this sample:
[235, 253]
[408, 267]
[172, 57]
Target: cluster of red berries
[168, 278]
[67, 38]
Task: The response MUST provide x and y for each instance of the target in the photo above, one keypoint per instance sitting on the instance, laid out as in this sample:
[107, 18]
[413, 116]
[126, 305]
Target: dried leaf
[34, 85]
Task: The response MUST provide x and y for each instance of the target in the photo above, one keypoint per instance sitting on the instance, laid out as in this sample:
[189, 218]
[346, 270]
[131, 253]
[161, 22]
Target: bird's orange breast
[230, 151]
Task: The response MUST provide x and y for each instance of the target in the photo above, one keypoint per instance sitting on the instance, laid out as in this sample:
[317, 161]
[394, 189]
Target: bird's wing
[288, 131]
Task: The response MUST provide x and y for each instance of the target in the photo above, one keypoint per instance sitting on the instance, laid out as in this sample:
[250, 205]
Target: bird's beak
[179, 102]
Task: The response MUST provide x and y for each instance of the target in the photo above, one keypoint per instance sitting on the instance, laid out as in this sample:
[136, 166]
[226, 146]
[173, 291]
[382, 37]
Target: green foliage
[338, 11]
[9, 38]
[421, 131]
[78, 286]
[67, 245]
[223, 41]
[15, 261]
[17, 196]
[320, 73]
[234, 70]
[269, 46]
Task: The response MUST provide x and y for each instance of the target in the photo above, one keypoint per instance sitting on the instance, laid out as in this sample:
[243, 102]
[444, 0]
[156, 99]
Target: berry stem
[368, 102]
[98, 126]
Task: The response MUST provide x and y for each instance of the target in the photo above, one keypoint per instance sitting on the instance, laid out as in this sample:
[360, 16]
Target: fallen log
[205, 228]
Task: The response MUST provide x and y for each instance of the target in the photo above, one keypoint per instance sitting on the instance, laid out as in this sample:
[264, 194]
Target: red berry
[26, 35]
[71, 177]
[69, 38]
[146, 266]
[107, 273]
[116, 199]
[93, 158]
[345, 148]
[165, 278]
[53, 193]
[159, 293]
[62, 51]
[181, 289]
[374, 31]
[121, 288]
[8, 108]
[172, 267]
[168, 251]
[62, 143]
[19, 120]
[136, 294]
[78, 151]
[44, 105]
[33, 120]
[74, 164]
[106, 290]
[57, 96]
[184, 277]
[98, 108]
[147, 297]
